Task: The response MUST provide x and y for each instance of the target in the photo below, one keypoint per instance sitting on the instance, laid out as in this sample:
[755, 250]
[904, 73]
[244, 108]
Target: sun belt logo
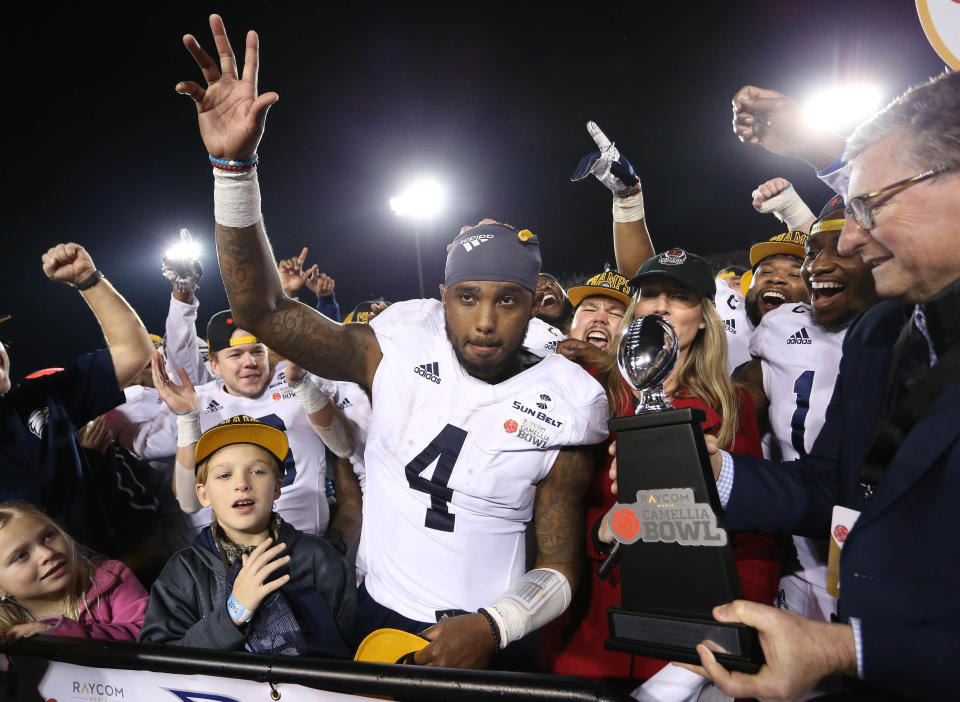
[800, 337]
[430, 371]
[38, 420]
[673, 257]
[538, 414]
[544, 402]
[472, 242]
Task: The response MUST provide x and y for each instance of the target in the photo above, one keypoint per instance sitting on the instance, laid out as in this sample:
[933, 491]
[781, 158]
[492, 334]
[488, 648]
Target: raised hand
[25, 631]
[181, 267]
[95, 435]
[778, 197]
[292, 274]
[250, 588]
[180, 398]
[68, 263]
[230, 113]
[458, 642]
[768, 118]
[321, 284]
[608, 165]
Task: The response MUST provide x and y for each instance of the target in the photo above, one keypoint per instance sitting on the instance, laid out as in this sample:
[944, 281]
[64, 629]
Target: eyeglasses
[863, 209]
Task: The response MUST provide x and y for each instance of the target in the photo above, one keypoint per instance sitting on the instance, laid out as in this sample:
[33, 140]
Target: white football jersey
[731, 309]
[302, 501]
[800, 363]
[453, 464]
[352, 400]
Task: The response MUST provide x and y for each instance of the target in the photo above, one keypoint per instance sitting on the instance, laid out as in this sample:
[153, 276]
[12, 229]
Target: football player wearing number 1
[797, 350]
[472, 435]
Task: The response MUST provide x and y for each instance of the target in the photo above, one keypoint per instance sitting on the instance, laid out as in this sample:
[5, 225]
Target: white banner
[63, 682]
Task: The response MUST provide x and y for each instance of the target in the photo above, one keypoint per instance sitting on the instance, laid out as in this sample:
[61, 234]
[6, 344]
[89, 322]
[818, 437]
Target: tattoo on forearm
[559, 510]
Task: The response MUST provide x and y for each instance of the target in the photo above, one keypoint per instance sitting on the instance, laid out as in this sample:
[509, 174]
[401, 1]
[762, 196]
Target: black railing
[408, 682]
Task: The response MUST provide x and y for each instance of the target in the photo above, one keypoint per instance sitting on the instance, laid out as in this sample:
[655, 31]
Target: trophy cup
[675, 559]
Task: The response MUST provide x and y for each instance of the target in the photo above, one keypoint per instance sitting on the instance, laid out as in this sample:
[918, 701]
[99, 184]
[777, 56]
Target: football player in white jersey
[247, 385]
[471, 436]
[556, 309]
[797, 350]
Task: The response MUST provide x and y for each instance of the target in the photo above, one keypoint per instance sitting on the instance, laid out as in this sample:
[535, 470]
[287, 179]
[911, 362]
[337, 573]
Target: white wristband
[538, 597]
[310, 398]
[236, 197]
[188, 429]
[628, 209]
[787, 207]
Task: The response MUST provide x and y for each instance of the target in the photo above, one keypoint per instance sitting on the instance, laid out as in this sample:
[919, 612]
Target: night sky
[489, 98]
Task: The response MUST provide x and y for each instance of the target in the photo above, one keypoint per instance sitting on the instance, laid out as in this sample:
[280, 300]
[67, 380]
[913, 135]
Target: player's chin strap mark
[539, 596]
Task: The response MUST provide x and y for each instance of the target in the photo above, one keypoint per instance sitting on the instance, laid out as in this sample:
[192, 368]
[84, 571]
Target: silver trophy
[646, 355]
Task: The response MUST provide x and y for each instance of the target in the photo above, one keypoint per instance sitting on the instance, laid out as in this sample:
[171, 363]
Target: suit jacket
[900, 569]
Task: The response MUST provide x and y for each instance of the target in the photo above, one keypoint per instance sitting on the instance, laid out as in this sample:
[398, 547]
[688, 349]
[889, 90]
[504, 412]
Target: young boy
[251, 580]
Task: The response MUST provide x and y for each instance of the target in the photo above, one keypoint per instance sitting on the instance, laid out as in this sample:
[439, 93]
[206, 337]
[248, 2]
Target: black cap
[681, 265]
[219, 330]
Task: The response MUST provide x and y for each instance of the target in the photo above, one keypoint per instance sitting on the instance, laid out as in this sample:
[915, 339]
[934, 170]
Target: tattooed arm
[294, 330]
[231, 117]
[559, 513]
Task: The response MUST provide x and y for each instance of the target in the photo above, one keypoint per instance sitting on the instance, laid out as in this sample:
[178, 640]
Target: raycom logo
[96, 691]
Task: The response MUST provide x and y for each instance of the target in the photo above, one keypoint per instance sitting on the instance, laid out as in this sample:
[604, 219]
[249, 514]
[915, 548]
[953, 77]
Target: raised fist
[68, 263]
[607, 165]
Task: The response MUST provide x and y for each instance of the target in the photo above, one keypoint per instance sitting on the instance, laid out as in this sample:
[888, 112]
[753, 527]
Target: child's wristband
[238, 613]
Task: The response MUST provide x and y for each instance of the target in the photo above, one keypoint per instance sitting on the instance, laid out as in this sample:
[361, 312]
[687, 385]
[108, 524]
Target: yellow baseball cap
[608, 284]
[389, 646]
[242, 430]
[786, 244]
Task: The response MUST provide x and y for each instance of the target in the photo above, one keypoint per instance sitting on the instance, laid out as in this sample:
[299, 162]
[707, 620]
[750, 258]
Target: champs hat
[681, 265]
[361, 314]
[219, 330]
[242, 430]
[389, 646]
[494, 252]
[786, 244]
[608, 284]
[832, 216]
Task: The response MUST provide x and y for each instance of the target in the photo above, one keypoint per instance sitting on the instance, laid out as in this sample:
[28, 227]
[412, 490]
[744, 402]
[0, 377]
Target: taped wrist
[188, 428]
[336, 438]
[236, 198]
[538, 597]
[630, 208]
[788, 208]
[309, 396]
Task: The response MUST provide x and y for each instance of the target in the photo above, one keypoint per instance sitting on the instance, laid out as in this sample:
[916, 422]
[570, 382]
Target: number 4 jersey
[453, 463]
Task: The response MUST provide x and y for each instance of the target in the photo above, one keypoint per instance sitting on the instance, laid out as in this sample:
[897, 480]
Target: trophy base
[675, 638]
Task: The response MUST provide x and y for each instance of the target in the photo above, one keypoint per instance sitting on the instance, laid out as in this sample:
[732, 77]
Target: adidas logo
[800, 337]
[212, 407]
[472, 242]
[731, 325]
[430, 371]
[344, 403]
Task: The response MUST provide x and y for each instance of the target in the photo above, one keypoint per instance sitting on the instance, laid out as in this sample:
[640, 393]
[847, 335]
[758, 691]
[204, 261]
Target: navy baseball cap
[681, 265]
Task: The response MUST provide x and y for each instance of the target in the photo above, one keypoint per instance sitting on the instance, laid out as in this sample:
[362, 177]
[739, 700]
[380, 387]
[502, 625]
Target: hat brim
[262, 435]
[745, 281]
[389, 646]
[765, 249]
[579, 293]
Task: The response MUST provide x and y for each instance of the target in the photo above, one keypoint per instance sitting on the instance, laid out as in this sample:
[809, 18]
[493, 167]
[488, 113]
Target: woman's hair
[702, 374]
[73, 603]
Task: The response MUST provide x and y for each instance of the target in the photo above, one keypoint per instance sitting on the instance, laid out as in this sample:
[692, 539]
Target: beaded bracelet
[494, 629]
[232, 165]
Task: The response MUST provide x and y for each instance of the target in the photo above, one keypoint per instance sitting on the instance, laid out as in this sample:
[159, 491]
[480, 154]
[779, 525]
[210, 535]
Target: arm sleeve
[88, 387]
[180, 341]
[173, 617]
[837, 177]
[328, 307]
[119, 614]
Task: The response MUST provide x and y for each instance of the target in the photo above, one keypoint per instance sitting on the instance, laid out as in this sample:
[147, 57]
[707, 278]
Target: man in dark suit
[885, 451]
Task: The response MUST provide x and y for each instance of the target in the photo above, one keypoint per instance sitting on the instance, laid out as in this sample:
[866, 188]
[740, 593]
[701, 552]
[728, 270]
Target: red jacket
[573, 643]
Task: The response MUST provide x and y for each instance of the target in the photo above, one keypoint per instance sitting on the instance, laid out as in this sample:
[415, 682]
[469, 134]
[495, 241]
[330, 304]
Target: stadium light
[842, 106]
[184, 250]
[422, 200]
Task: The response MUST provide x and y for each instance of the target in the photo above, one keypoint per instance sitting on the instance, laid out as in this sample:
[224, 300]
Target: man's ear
[537, 301]
[443, 293]
[214, 366]
[202, 495]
